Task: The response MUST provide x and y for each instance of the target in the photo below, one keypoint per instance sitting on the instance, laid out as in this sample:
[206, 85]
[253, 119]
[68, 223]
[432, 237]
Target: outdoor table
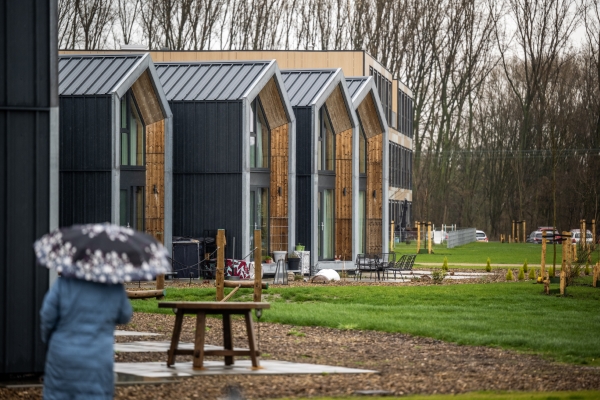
[224, 309]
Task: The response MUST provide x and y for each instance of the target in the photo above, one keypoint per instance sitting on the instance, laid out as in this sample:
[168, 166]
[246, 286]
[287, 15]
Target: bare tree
[96, 18]
[127, 15]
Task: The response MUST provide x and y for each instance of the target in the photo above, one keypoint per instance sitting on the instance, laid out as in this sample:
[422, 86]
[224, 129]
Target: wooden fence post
[513, 237]
[257, 266]
[392, 238]
[524, 231]
[429, 237]
[594, 231]
[418, 236]
[221, 242]
[543, 261]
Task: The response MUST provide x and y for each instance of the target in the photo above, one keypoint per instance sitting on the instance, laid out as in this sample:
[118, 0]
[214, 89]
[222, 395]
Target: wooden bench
[201, 309]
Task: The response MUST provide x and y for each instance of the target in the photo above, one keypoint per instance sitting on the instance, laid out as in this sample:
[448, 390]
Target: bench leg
[175, 338]
[251, 340]
[199, 341]
[227, 337]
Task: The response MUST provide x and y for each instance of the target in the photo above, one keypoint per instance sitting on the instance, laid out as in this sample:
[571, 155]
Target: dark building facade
[28, 174]
[115, 144]
[233, 165]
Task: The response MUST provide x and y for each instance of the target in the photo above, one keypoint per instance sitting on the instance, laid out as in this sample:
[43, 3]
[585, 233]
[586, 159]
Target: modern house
[115, 143]
[372, 155]
[326, 171]
[233, 158]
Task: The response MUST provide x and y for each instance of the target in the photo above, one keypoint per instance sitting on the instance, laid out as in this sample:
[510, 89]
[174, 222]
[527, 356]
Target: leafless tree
[127, 15]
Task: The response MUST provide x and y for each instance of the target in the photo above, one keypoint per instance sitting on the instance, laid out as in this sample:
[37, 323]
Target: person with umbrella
[82, 308]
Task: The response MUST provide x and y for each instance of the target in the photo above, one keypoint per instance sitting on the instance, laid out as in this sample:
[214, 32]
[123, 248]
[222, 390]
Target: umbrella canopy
[102, 253]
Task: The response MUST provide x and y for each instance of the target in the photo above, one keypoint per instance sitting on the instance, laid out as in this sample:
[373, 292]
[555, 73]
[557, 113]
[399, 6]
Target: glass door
[132, 207]
[326, 224]
[259, 217]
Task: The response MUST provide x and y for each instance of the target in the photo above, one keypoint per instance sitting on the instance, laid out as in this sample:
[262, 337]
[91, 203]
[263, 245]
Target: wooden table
[224, 309]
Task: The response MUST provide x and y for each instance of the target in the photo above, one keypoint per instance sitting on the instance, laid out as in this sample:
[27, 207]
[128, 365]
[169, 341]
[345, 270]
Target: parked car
[481, 236]
[576, 236]
[550, 236]
[534, 237]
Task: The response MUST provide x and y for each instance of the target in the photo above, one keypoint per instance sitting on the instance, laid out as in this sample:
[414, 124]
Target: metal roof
[94, 75]
[355, 84]
[210, 81]
[304, 86]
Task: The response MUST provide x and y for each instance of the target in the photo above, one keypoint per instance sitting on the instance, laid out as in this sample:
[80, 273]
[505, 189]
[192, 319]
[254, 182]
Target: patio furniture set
[383, 264]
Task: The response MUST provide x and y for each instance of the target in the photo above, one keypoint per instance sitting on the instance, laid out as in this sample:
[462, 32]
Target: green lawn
[478, 253]
[582, 395]
[509, 315]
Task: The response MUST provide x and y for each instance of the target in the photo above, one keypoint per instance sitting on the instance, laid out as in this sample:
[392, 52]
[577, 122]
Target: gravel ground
[407, 364]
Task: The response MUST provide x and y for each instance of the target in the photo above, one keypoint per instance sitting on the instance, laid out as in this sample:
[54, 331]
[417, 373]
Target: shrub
[298, 277]
[445, 265]
[532, 274]
[587, 268]
[525, 266]
[438, 275]
[521, 275]
[488, 266]
[509, 275]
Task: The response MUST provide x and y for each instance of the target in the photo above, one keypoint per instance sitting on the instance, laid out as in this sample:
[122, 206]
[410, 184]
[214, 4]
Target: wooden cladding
[343, 195]
[270, 99]
[278, 190]
[147, 100]
[336, 107]
[155, 180]
[374, 193]
[367, 112]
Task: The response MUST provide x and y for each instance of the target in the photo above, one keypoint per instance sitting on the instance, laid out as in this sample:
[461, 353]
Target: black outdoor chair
[366, 263]
[385, 262]
[404, 264]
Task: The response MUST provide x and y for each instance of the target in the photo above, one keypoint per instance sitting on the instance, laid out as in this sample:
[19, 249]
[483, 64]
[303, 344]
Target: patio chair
[385, 262]
[365, 263]
[405, 263]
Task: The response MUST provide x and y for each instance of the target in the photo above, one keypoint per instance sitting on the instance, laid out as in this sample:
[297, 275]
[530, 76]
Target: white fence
[460, 237]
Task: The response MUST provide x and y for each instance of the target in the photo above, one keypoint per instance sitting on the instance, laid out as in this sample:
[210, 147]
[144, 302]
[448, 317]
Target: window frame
[129, 102]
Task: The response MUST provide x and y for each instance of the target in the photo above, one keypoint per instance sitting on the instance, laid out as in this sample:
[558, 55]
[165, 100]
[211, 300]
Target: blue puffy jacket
[78, 320]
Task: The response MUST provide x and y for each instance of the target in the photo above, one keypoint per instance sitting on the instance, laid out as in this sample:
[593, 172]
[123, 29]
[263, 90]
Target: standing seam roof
[209, 81]
[355, 84]
[93, 75]
[303, 86]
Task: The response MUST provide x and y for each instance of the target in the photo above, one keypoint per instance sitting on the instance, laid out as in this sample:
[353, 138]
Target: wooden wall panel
[272, 104]
[338, 112]
[343, 202]
[279, 188]
[155, 178]
[374, 185]
[147, 100]
[369, 119]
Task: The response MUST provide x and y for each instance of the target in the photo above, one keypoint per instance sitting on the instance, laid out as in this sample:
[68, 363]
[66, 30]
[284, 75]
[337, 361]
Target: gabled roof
[305, 86]
[356, 84]
[210, 81]
[91, 75]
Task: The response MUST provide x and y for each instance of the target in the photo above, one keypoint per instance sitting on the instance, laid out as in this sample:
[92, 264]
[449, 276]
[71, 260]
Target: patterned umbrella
[102, 253]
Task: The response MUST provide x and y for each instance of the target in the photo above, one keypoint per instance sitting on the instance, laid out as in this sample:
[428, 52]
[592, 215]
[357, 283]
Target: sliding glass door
[326, 224]
[259, 217]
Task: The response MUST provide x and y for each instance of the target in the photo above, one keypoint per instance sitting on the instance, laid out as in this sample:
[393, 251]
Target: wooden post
[594, 231]
[595, 274]
[543, 260]
[221, 264]
[509, 239]
[257, 266]
[573, 253]
[524, 239]
[391, 238]
[583, 235]
[160, 285]
[418, 236]
[429, 237]
[518, 236]
[514, 224]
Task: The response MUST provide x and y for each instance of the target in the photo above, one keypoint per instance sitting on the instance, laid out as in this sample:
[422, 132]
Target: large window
[326, 148]
[384, 89]
[400, 166]
[259, 217]
[132, 207]
[259, 138]
[132, 133]
[405, 114]
[362, 152]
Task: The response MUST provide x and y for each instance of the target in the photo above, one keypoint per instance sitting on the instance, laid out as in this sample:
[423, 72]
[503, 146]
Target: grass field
[508, 315]
[582, 395]
[478, 253]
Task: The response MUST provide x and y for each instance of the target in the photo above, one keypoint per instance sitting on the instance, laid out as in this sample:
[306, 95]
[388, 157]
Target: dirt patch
[407, 364]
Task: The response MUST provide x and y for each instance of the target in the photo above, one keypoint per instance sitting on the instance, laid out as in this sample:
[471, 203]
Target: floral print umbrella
[102, 253]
